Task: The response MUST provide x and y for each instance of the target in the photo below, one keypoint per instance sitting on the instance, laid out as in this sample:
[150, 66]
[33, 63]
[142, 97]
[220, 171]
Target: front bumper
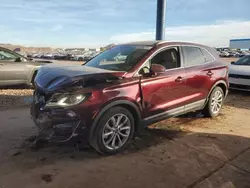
[57, 125]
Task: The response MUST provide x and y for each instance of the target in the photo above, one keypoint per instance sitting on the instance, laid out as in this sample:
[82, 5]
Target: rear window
[207, 55]
[193, 56]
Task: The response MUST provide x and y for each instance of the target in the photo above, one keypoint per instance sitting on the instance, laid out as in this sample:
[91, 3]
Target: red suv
[126, 88]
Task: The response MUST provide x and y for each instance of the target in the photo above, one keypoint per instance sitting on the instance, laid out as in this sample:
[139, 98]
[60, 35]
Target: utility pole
[160, 19]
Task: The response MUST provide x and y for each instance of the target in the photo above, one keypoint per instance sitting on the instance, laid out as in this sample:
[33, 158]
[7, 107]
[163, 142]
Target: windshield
[119, 58]
[243, 61]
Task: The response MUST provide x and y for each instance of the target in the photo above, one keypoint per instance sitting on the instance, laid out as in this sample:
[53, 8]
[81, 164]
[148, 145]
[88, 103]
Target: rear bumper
[58, 125]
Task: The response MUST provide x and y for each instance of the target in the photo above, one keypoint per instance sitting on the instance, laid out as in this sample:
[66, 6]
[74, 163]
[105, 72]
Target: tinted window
[169, 58]
[207, 55]
[193, 55]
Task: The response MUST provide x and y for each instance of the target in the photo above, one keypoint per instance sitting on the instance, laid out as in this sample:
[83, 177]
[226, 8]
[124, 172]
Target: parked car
[38, 56]
[16, 69]
[224, 54]
[66, 57]
[47, 56]
[244, 53]
[79, 57]
[239, 74]
[107, 101]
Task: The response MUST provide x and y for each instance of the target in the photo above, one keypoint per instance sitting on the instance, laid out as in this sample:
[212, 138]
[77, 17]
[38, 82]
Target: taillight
[227, 71]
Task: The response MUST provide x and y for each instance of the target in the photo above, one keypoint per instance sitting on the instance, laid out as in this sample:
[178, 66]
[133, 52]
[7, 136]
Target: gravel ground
[15, 97]
[189, 151]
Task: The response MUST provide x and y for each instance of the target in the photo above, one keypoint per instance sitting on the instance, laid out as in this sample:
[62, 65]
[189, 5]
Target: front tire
[215, 102]
[114, 131]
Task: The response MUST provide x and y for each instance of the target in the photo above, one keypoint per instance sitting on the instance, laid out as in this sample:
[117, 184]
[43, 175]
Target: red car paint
[148, 97]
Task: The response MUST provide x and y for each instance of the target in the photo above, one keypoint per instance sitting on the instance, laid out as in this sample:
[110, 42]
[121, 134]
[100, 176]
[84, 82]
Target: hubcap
[216, 102]
[116, 131]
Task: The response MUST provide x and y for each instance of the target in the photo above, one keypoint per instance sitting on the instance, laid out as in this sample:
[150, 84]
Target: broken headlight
[65, 100]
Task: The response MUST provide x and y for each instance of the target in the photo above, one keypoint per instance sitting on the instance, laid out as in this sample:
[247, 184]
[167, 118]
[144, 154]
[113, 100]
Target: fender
[108, 106]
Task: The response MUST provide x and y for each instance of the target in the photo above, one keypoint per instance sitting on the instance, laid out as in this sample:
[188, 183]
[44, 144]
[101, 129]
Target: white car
[239, 74]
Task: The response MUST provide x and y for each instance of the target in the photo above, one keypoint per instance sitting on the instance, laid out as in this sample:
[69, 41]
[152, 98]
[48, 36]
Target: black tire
[80, 59]
[208, 111]
[97, 140]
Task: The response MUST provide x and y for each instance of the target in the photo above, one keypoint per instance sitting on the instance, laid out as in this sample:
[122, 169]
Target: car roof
[162, 42]
[143, 43]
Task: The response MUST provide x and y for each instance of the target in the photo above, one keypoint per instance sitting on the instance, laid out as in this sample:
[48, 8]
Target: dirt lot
[188, 151]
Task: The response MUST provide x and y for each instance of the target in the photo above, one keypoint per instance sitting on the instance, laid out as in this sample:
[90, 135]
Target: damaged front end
[62, 100]
[55, 124]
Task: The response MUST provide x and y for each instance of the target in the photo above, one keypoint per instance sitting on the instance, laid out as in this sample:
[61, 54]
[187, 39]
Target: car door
[12, 69]
[199, 75]
[163, 94]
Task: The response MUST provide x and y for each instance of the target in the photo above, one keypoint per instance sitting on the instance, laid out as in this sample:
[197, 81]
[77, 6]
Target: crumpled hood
[239, 69]
[53, 77]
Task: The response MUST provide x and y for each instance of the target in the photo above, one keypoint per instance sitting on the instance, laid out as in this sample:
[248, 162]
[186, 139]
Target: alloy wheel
[116, 131]
[216, 103]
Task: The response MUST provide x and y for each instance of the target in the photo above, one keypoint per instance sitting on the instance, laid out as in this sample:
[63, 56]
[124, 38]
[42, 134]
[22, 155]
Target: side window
[193, 56]
[169, 58]
[7, 56]
[208, 56]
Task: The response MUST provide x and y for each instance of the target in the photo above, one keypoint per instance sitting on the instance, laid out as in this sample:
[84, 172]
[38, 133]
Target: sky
[95, 23]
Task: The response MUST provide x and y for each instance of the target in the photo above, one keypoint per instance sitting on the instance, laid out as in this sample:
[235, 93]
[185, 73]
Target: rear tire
[114, 131]
[80, 59]
[214, 103]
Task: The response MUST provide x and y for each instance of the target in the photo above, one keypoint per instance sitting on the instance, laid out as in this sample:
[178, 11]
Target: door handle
[210, 73]
[1, 64]
[178, 79]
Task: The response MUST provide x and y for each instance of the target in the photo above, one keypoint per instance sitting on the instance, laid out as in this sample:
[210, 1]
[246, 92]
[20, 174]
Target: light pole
[160, 19]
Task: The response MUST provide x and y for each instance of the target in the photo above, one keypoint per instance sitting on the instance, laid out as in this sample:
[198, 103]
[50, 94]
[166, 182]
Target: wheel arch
[220, 83]
[132, 107]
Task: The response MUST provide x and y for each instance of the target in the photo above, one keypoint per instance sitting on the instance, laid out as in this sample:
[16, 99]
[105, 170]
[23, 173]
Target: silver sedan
[16, 69]
[239, 74]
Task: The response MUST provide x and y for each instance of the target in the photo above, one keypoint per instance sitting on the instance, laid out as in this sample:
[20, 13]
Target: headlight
[64, 100]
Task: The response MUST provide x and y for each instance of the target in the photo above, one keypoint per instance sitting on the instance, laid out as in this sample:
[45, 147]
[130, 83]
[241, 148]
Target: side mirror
[232, 62]
[144, 71]
[156, 69]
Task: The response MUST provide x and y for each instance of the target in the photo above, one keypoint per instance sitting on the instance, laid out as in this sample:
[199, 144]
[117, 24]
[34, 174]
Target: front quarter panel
[101, 96]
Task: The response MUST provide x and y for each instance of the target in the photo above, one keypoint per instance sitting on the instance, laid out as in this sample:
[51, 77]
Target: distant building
[240, 43]
[17, 50]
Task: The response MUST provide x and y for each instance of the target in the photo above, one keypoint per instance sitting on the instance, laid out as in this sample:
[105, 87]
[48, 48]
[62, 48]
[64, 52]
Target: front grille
[239, 76]
[237, 86]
